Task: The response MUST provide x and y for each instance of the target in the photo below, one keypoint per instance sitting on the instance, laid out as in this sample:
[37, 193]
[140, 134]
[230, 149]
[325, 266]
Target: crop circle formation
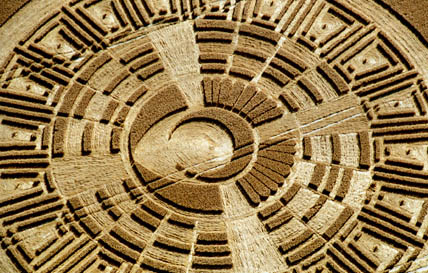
[214, 136]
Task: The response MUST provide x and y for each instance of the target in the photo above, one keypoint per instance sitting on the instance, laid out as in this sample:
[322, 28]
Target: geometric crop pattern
[213, 136]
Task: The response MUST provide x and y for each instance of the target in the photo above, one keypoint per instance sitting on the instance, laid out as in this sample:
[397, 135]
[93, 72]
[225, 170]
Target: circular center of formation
[208, 144]
[239, 132]
[181, 152]
[200, 146]
[193, 148]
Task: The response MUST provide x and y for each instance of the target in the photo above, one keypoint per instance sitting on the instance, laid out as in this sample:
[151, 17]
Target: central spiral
[182, 153]
[209, 144]
[201, 146]
[194, 147]
[239, 131]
